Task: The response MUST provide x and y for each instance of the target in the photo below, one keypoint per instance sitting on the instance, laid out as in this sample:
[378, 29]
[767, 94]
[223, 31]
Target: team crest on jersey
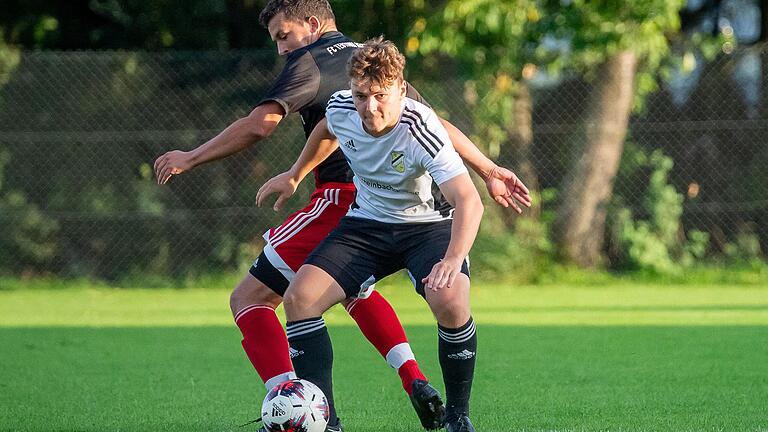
[398, 161]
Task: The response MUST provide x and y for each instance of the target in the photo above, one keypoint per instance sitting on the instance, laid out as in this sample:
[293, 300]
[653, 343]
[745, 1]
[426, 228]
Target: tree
[492, 41]
[618, 46]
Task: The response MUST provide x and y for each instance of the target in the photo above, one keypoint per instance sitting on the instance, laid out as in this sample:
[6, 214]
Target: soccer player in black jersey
[316, 54]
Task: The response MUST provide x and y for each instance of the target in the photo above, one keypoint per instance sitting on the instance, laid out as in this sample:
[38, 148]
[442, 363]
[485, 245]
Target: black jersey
[310, 76]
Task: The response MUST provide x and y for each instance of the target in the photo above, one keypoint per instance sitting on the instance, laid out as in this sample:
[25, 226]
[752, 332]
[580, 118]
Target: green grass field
[624, 358]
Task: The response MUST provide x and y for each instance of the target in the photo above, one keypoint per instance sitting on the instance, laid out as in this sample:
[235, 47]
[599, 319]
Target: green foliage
[497, 38]
[745, 248]
[9, 60]
[182, 24]
[505, 43]
[29, 235]
[160, 24]
[519, 255]
[654, 242]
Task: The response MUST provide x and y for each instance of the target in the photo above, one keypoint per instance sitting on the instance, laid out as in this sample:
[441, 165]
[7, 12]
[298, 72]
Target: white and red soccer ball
[295, 406]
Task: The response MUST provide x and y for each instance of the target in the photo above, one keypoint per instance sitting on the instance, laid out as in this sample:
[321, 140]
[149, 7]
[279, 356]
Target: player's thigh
[425, 246]
[451, 305]
[311, 293]
[252, 291]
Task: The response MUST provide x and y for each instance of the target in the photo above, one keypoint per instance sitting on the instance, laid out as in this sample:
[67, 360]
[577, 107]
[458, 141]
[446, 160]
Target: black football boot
[428, 405]
[459, 423]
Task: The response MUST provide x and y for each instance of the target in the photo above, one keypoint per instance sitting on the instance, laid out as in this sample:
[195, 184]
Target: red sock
[380, 325]
[409, 372]
[264, 342]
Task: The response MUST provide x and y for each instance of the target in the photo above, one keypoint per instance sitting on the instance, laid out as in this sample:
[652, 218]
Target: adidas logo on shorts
[293, 352]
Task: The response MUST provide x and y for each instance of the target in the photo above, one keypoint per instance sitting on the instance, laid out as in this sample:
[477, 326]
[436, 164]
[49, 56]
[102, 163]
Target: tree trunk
[521, 143]
[580, 223]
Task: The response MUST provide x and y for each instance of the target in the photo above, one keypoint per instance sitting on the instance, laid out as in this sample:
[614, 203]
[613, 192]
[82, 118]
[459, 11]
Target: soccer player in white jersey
[416, 208]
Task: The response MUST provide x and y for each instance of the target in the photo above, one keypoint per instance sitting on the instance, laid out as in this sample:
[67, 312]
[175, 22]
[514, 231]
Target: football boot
[459, 423]
[335, 428]
[428, 404]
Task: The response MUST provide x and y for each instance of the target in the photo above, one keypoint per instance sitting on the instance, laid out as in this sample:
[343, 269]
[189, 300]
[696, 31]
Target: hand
[282, 184]
[504, 187]
[443, 274]
[172, 163]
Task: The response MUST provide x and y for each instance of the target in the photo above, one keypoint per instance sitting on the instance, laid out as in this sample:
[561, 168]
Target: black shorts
[360, 252]
[263, 270]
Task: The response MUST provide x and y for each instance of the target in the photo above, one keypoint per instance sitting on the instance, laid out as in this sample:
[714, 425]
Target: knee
[293, 301]
[252, 292]
[452, 313]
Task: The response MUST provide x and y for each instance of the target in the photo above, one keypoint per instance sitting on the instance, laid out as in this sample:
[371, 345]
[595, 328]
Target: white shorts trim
[285, 232]
[277, 262]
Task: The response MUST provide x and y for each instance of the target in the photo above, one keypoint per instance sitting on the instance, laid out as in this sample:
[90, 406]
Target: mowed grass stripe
[537, 306]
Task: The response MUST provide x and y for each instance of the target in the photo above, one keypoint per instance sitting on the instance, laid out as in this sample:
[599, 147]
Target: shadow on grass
[528, 378]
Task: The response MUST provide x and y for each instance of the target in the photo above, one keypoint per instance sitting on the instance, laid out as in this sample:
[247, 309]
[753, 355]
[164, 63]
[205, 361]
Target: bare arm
[320, 145]
[468, 151]
[502, 184]
[468, 211]
[238, 136]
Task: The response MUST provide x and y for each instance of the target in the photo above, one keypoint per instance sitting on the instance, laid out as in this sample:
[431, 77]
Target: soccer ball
[295, 406]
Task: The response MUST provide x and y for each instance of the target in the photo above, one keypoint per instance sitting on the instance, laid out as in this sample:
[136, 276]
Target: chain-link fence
[79, 132]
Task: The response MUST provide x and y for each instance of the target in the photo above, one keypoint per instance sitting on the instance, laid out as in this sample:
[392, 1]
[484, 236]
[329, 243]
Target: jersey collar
[330, 35]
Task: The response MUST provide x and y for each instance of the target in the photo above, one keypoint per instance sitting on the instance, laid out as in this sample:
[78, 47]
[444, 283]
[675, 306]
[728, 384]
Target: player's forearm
[466, 222]
[468, 151]
[319, 146]
[235, 138]
[311, 157]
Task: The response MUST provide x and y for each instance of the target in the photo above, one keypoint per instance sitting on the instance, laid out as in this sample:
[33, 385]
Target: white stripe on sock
[303, 328]
[279, 379]
[399, 354]
[247, 309]
[460, 337]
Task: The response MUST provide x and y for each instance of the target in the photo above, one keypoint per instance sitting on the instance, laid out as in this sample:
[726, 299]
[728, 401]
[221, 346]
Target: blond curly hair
[378, 61]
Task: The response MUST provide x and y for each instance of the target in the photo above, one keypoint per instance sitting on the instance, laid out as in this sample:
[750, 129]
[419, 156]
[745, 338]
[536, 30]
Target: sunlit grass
[497, 304]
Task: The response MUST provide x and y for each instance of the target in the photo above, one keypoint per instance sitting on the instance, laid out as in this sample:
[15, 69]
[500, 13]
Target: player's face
[379, 107]
[290, 34]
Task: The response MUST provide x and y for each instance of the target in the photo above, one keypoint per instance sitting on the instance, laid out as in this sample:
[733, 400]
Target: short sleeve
[297, 85]
[338, 108]
[434, 151]
[446, 165]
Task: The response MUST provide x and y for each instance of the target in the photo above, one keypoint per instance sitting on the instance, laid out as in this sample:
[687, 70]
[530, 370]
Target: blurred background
[640, 127]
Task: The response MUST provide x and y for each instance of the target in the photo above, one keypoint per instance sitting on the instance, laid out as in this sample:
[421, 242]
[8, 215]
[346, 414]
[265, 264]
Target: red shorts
[289, 244]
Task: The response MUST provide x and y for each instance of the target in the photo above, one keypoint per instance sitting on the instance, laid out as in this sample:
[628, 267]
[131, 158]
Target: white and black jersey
[396, 174]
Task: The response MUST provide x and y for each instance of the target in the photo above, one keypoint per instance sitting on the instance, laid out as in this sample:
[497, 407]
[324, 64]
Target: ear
[314, 24]
[403, 88]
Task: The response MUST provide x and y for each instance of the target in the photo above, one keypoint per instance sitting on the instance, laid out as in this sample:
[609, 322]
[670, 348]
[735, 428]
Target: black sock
[312, 356]
[457, 351]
